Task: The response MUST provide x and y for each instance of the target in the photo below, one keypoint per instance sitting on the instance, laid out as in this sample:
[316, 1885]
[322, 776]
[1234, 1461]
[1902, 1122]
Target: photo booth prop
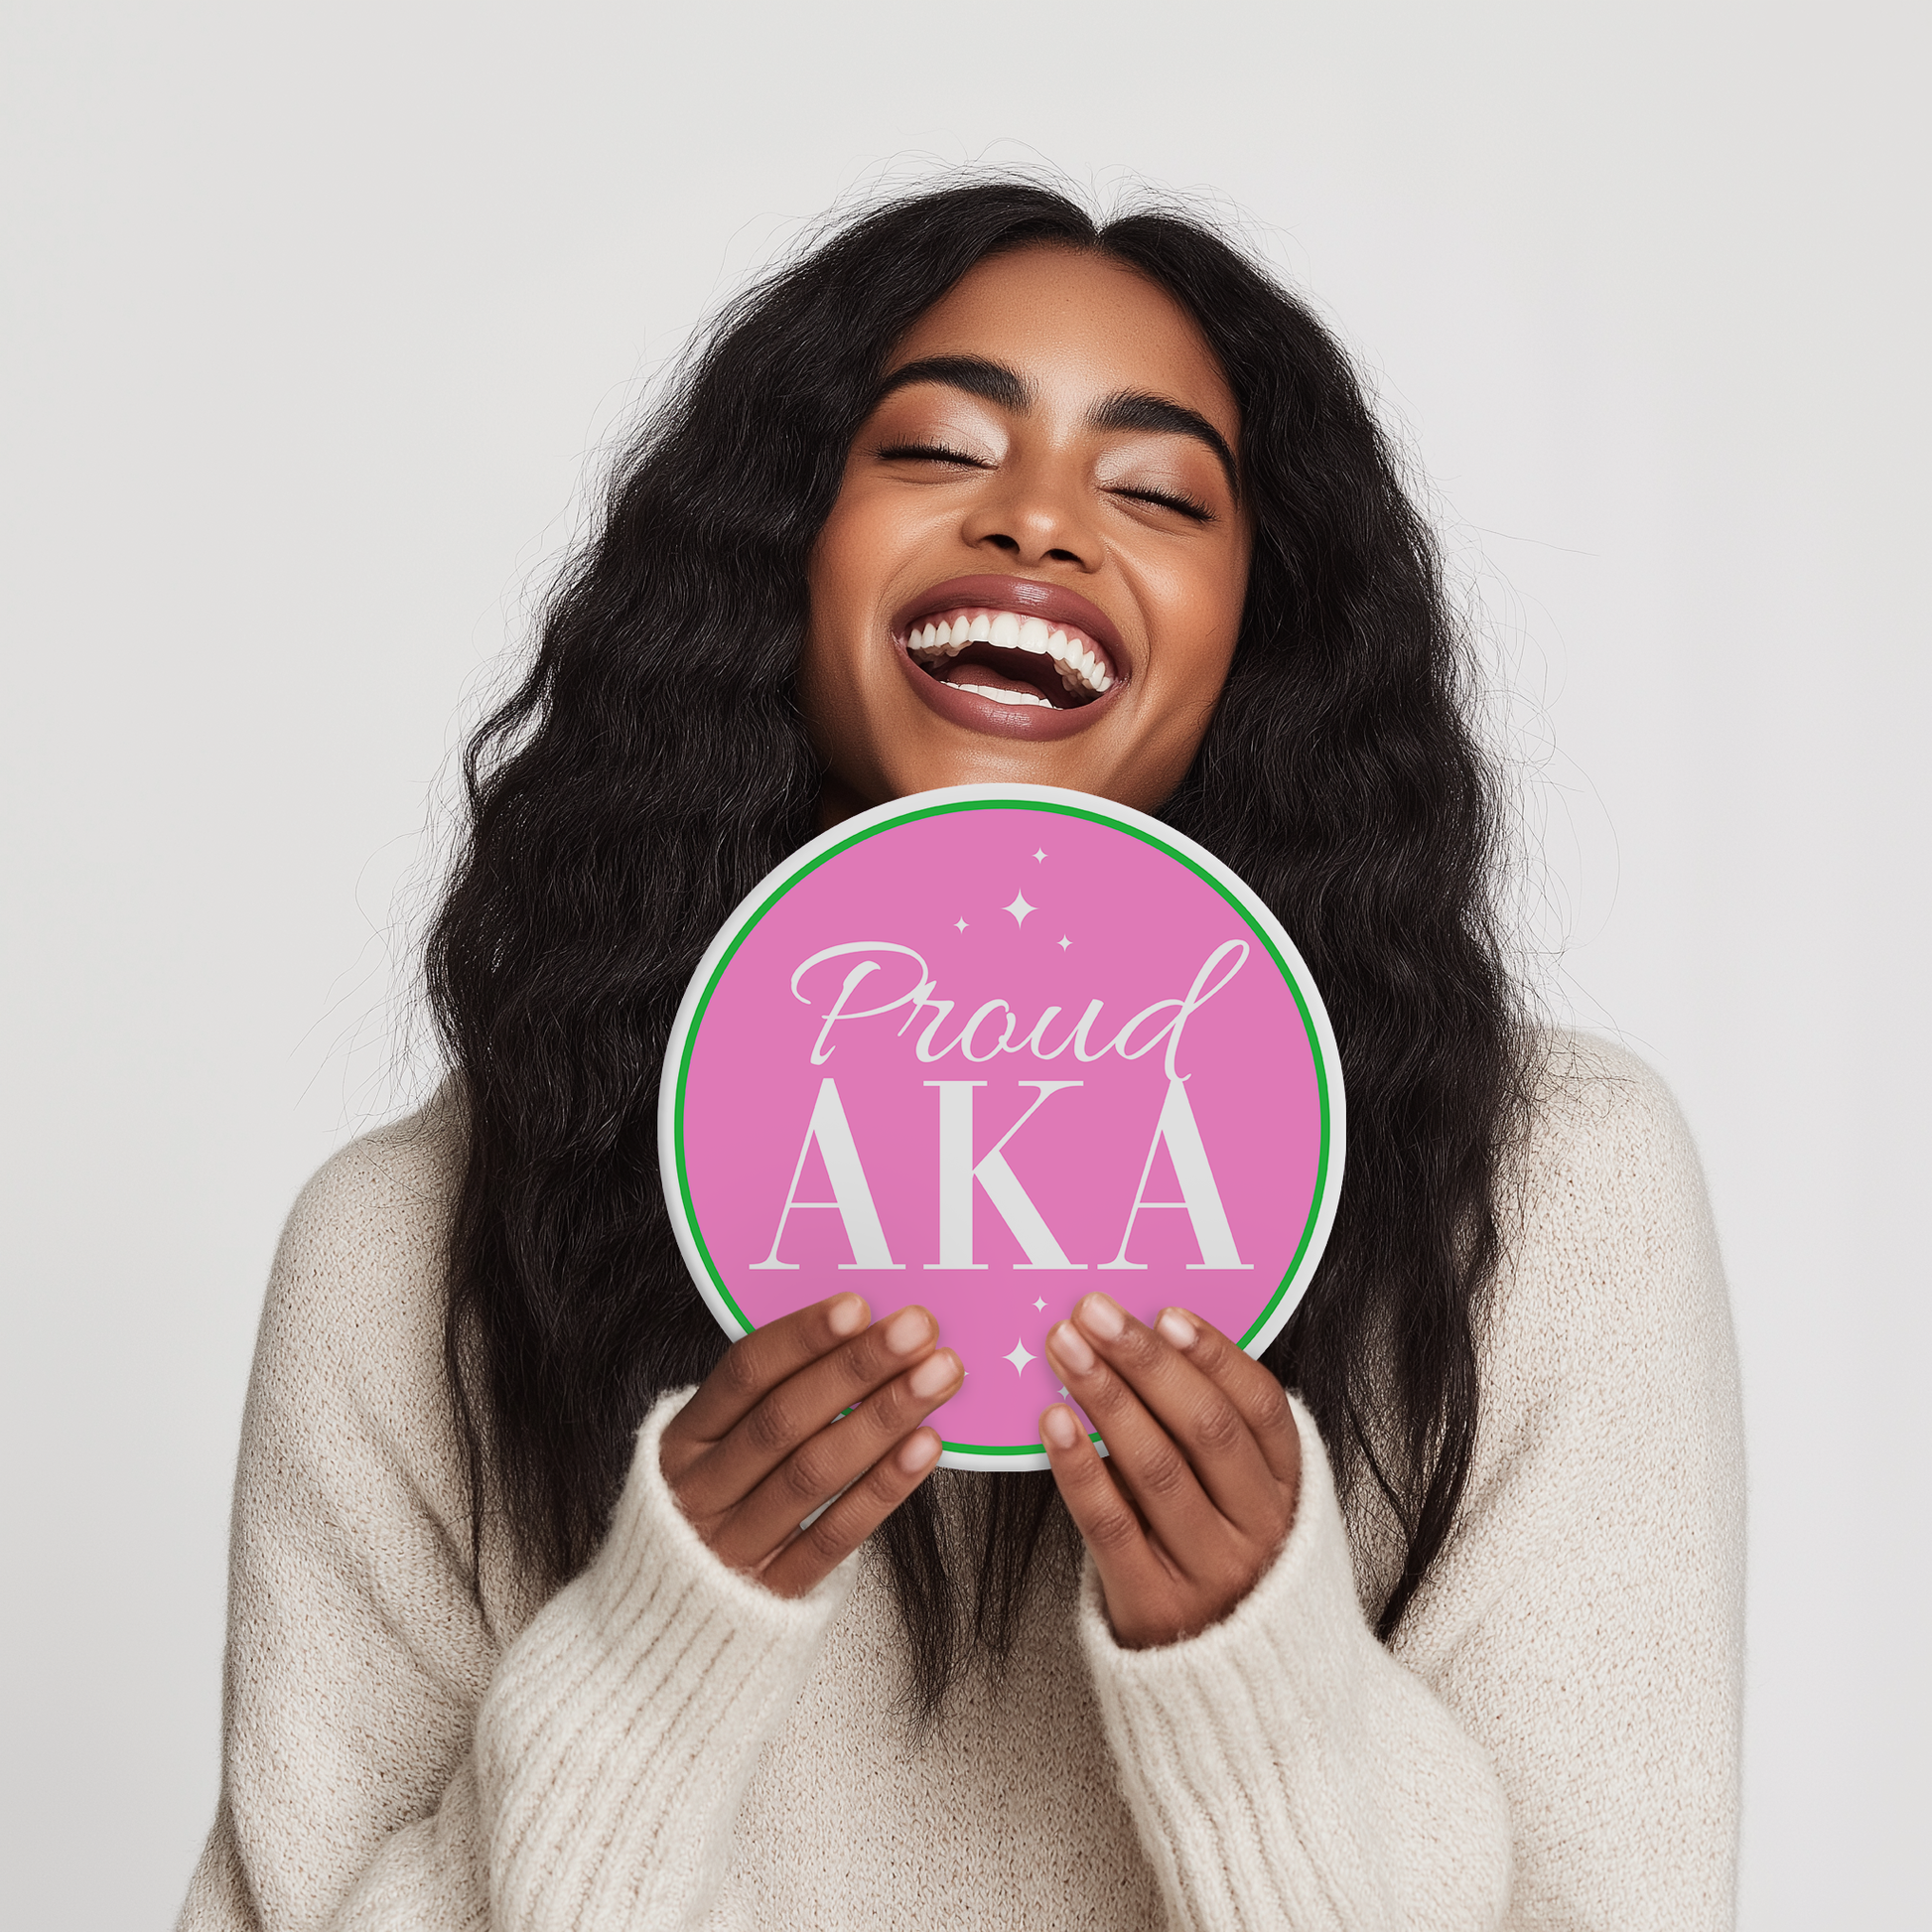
[989, 1048]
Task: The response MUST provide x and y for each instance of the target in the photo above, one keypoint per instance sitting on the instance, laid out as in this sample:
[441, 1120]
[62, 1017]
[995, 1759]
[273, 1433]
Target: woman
[1448, 1637]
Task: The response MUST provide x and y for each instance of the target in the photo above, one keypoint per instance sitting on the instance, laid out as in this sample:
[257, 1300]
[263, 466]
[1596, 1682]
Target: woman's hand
[1203, 1472]
[766, 1440]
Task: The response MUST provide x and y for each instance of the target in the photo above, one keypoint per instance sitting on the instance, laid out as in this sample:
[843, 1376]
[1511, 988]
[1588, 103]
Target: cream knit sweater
[1551, 1741]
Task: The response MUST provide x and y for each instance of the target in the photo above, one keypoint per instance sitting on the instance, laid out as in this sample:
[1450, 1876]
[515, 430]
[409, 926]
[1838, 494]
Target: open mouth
[1010, 657]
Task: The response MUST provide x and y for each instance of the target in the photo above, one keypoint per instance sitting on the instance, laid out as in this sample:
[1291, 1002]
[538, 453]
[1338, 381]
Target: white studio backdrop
[316, 321]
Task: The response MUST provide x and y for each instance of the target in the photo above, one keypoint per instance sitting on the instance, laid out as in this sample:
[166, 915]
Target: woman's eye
[1191, 507]
[928, 453]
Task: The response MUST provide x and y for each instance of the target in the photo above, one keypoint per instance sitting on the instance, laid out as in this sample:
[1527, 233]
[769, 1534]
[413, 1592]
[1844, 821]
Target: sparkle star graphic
[1018, 908]
[1018, 1358]
[1063, 943]
[961, 925]
[1037, 857]
[1039, 1306]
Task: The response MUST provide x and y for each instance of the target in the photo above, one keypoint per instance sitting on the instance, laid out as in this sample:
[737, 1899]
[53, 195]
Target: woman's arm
[395, 1756]
[594, 1782]
[1551, 1738]
[1282, 1769]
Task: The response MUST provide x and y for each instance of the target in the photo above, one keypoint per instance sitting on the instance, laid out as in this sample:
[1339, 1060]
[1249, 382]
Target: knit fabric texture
[1550, 1740]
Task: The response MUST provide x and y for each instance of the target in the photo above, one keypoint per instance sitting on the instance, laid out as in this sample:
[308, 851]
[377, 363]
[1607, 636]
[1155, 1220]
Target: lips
[1010, 655]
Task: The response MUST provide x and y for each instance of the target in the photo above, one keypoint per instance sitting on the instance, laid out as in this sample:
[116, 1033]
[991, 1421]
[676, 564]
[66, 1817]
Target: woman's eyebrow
[1132, 409]
[991, 382]
[1006, 388]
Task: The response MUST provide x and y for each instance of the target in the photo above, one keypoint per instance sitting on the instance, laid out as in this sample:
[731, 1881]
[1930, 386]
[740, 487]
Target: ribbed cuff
[623, 1726]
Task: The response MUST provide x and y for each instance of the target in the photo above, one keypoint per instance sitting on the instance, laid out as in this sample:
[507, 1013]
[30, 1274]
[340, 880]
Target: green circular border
[749, 926]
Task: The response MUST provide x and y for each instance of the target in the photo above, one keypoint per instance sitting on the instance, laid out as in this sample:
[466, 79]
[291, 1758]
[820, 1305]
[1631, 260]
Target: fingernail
[1174, 1326]
[1101, 1314]
[919, 1450]
[847, 1315]
[1067, 1344]
[907, 1331]
[1059, 1426]
[936, 1373]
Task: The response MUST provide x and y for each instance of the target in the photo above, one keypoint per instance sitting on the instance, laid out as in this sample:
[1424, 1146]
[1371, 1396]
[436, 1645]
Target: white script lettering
[974, 1039]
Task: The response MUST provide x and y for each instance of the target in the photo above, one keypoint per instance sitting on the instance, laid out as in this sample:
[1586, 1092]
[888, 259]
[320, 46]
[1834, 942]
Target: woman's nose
[1036, 518]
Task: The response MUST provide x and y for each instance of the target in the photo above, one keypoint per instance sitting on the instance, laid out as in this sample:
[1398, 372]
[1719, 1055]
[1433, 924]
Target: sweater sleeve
[1551, 1741]
[386, 1763]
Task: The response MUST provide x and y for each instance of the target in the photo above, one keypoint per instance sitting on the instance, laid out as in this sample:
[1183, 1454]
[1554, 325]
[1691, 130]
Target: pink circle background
[1138, 925]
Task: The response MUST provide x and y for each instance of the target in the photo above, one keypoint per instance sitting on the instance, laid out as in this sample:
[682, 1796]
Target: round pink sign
[987, 1049]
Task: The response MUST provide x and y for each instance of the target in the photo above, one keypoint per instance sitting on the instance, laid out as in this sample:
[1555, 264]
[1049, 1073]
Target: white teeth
[1005, 697]
[1082, 668]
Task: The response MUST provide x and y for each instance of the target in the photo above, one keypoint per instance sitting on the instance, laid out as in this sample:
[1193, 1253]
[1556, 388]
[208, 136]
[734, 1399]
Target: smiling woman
[549, 1610]
[1056, 415]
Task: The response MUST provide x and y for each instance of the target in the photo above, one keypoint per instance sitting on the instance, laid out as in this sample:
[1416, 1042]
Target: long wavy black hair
[654, 766]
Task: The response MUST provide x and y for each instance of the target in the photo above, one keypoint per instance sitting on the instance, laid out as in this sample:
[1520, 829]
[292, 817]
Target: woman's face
[1036, 565]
